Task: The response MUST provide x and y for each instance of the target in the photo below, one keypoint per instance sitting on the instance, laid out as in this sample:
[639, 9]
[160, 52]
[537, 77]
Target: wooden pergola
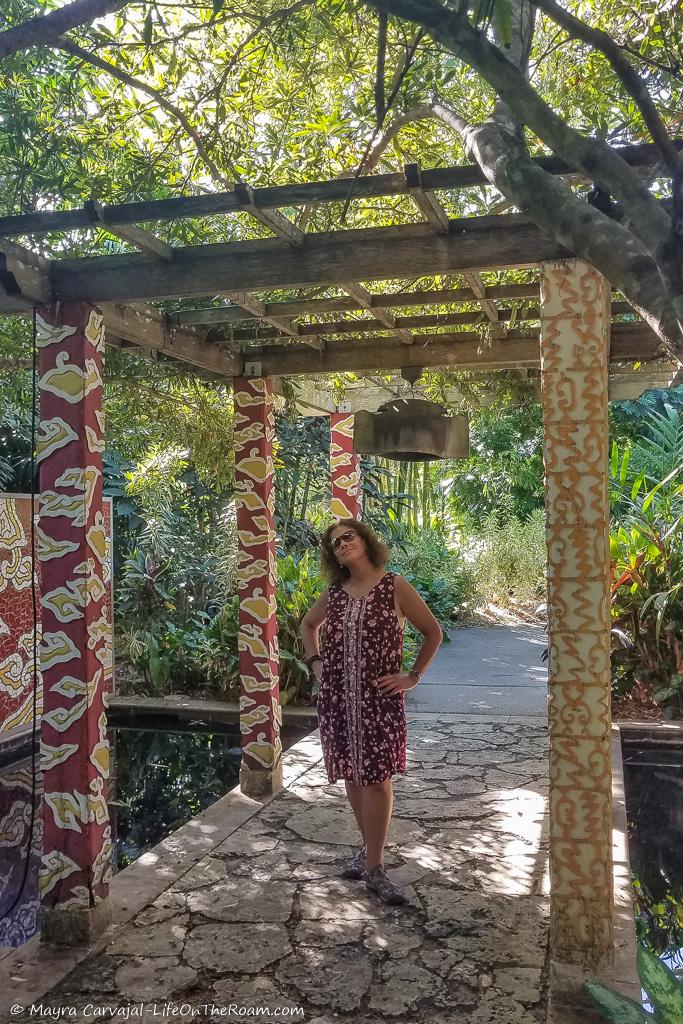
[476, 293]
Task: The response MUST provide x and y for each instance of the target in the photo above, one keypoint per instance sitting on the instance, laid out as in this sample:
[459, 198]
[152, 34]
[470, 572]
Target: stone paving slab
[262, 919]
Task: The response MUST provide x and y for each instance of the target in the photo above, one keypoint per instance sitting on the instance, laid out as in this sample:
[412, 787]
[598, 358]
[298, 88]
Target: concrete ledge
[29, 972]
[180, 706]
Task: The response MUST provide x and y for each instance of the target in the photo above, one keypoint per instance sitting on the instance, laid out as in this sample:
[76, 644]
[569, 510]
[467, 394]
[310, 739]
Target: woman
[361, 702]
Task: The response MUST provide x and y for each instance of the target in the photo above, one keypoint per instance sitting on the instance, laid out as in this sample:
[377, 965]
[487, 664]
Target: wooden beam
[146, 327]
[142, 240]
[407, 250]
[271, 219]
[364, 299]
[429, 297]
[407, 323]
[479, 288]
[462, 350]
[283, 325]
[281, 196]
[24, 278]
[426, 202]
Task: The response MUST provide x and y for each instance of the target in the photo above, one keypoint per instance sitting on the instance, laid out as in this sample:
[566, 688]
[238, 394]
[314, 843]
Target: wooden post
[574, 362]
[260, 712]
[344, 468]
[75, 653]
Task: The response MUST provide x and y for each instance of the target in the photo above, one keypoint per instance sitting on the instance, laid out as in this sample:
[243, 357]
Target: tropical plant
[664, 992]
[646, 548]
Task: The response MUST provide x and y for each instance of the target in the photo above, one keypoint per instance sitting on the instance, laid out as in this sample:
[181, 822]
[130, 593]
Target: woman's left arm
[416, 611]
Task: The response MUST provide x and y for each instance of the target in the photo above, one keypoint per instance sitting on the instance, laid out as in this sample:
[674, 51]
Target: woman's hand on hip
[395, 683]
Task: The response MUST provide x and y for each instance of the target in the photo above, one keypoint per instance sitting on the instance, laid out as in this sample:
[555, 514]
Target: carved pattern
[344, 468]
[574, 357]
[260, 714]
[76, 644]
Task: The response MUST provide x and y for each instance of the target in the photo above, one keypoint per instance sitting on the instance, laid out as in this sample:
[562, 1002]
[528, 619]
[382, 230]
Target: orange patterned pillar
[344, 468]
[260, 713]
[75, 652]
[575, 314]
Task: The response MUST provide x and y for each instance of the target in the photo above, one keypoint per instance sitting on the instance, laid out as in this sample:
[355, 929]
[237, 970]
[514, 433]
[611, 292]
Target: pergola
[557, 315]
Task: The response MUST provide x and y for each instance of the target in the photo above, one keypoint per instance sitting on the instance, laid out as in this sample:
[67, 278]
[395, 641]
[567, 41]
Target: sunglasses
[347, 536]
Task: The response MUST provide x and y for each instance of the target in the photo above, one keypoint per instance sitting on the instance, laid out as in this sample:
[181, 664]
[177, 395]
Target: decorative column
[75, 653]
[344, 468]
[575, 314]
[260, 712]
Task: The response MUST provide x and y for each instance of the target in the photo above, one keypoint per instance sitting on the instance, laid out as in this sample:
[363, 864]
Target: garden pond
[163, 773]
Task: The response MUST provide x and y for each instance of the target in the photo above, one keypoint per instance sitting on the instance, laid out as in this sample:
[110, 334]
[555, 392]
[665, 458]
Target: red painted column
[260, 712]
[75, 652]
[344, 468]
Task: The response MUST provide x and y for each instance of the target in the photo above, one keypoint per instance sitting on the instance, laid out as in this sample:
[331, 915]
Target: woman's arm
[412, 607]
[310, 628]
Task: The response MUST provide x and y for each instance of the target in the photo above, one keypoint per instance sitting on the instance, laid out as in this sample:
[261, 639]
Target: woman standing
[361, 706]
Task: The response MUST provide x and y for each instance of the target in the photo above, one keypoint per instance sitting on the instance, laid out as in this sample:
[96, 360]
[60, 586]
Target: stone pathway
[487, 670]
[265, 921]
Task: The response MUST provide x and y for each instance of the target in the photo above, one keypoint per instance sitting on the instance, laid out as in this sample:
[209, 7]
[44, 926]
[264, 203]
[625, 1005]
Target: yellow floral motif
[259, 716]
[97, 539]
[50, 756]
[52, 334]
[258, 606]
[94, 441]
[89, 585]
[49, 548]
[65, 603]
[255, 466]
[53, 434]
[62, 719]
[12, 533]
[262, 751]
[94, 330]
[69, 381]
[56, 649]
[55, 866]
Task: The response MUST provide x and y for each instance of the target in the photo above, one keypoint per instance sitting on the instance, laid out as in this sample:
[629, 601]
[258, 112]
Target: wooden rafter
[386, 300]
[261, 200]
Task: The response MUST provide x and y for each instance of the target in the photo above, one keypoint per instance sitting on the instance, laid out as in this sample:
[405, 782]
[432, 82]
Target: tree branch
[158, 97]
[585, 231]
[622, 67]
[47, 29]
[590, 155]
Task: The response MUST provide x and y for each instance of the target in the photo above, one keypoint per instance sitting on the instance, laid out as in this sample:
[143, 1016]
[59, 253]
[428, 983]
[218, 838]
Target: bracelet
[313, 657]
[415, 674]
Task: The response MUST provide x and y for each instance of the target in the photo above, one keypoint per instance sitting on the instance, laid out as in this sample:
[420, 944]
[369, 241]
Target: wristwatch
[415, 674]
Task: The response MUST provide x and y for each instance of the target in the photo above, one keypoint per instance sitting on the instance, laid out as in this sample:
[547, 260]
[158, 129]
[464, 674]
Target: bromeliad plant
[664, 991]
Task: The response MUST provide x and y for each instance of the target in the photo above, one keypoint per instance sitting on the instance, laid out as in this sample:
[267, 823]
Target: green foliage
[511, 562]
[664, 991]
[505, 466]
[436, 570]
[646, 549]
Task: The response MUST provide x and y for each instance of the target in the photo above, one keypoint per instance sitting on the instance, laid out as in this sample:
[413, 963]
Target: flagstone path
[264, 920]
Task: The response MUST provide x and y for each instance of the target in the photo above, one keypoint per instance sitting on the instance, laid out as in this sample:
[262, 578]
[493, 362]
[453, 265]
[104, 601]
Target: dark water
[160, 779]
[653, 778]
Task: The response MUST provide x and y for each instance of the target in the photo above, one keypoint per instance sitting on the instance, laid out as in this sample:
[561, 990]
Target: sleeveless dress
[362, 730]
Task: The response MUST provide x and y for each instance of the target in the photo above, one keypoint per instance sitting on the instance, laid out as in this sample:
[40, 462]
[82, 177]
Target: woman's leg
[355, 796]
[378, 800]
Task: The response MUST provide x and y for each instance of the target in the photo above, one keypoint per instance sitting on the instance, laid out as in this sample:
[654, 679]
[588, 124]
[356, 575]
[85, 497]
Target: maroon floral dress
[362, 730]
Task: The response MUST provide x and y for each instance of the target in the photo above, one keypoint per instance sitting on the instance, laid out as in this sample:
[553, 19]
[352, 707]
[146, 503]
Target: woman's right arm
[310, 625]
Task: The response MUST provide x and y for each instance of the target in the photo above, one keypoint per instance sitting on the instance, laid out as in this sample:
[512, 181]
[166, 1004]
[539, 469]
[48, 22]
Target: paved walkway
[263, 920]
[487, 670]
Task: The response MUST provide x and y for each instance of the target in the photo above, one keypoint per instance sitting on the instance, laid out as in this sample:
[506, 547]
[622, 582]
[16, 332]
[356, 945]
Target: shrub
[511, 562]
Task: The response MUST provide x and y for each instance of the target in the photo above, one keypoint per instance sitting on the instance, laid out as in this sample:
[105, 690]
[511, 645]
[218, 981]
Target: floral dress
[362, 730]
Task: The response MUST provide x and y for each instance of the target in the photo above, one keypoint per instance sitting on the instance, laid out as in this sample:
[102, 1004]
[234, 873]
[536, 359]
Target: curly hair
[376, 549]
